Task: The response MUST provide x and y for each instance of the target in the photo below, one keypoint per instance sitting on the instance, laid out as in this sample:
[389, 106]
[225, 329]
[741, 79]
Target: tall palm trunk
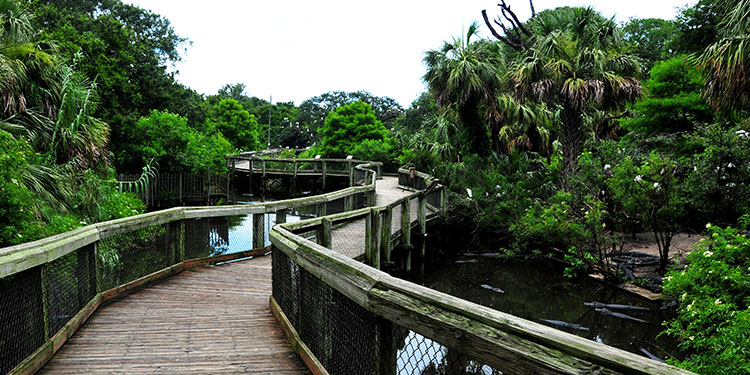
[469, 113]
[572, 138]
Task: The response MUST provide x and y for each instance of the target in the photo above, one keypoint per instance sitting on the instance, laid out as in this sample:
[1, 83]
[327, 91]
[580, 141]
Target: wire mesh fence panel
[433, 199]
[219, 235]
[129, 256]
[360, 176]
[285, 286]
[335, 206]
[411, 353]
[21, 317]
[340, 333]
[360, 200]
[70, 283]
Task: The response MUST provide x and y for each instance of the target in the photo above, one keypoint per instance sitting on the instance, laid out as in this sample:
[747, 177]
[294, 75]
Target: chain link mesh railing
[69, 284]
[22, 328]
[128, 256]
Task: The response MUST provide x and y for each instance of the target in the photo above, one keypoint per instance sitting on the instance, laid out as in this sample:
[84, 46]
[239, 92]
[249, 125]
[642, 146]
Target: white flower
[638, 178]
[730, 165]
[656, 185]
[695, 168]
[607, 167]
[468, 192]
[708, 225]
[683, 296]
[717, 302]
[707, 254]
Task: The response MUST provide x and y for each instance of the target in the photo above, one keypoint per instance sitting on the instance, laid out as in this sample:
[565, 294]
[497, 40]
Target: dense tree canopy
[674, 102]
[347, 127]
[651, 39]
[237, 125]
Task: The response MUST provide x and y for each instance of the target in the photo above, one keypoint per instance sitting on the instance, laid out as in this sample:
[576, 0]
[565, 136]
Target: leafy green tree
[674, 102]
[236, 124]
[128, 50]
[347, 127]
[465, 75]
[416, 116]
[652, 39]
[697, 25]
[16, 207]
[313, 112]
[651, 189]
[177, 147]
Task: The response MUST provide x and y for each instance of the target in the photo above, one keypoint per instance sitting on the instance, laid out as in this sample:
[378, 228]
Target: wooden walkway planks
[212, 320]
[349, 239]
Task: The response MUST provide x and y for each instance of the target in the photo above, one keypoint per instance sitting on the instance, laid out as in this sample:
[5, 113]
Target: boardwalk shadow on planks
[210, 320]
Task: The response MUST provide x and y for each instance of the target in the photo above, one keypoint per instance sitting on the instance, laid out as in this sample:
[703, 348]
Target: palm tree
[725, 65]
[464, 76]
[521, 126]
[575, 62]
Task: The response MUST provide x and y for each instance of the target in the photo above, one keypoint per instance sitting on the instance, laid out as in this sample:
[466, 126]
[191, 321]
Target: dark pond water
[535, 289]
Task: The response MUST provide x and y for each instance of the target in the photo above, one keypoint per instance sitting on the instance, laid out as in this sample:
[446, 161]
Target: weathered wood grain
[209, 320]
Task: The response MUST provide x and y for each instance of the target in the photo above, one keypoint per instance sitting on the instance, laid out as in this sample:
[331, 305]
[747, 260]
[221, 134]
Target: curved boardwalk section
[213, 320]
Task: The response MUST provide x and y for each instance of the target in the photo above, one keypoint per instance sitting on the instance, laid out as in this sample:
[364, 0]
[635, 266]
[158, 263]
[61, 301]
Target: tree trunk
[572, 143]
[475, 127]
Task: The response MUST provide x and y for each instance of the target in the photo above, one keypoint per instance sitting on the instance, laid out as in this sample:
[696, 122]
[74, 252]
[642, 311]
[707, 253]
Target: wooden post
[281, 216]
[385, 241]
[386, 351]
[320, 209]
[406, 222]
[250, 178]
[349, 203]
[368, 238]
[180, 253]
[325, 168]
[263, 168]
[259, 230]
[422, 228]
[422, 214]
[377, 223]
[181, 201]
[324, 234]
[234, 188]
[443, 201]
[351, 173]
[45, 308]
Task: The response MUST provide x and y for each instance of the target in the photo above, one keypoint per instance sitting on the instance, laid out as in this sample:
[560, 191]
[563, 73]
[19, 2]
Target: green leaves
[347, 127]
[169, 140]
[713, 319]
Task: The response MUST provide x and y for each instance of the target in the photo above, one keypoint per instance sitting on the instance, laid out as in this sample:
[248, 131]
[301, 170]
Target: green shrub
[16, 200]
[713, 321]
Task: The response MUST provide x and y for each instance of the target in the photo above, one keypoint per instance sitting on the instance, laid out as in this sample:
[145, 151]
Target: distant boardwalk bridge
[254, 289]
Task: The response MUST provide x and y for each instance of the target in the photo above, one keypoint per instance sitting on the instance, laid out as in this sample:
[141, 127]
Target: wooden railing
[70, 274]
[487, 337]
[298, 167]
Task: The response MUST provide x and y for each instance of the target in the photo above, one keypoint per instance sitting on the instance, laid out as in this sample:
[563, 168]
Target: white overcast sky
[294, 50]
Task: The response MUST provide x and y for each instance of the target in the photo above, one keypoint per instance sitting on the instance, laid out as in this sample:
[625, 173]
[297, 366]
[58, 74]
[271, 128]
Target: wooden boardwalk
[349, 239]
[213, 320]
